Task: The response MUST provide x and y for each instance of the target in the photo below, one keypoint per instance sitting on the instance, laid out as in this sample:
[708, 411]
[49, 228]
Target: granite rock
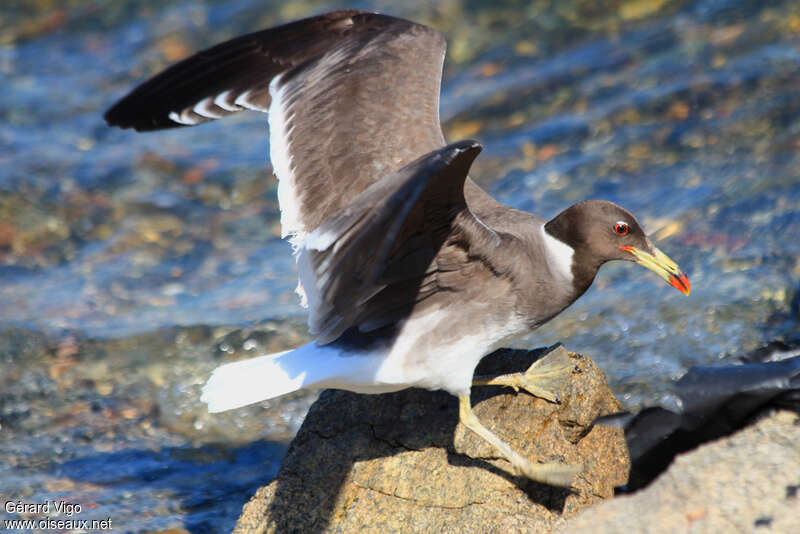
[400, 462]
[747, 482]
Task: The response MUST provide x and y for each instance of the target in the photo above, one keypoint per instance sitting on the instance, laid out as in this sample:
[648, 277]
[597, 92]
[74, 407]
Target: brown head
[599, 231]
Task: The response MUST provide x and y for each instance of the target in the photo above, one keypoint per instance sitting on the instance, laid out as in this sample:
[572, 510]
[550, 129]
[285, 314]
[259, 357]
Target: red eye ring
[621, 228]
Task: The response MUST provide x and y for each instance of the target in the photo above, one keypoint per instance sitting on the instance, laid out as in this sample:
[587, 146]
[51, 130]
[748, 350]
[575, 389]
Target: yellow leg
[543, 379]
[554, 474]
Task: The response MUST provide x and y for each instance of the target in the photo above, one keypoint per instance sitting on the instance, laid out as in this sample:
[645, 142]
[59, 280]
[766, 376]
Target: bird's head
[599, 231]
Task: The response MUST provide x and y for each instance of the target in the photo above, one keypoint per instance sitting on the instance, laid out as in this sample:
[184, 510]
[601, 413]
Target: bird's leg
[555, 474]
[543, 379]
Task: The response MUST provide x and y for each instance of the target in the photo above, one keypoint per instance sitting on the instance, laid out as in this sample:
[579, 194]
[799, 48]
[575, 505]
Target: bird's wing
[351, 97]
[405, 238]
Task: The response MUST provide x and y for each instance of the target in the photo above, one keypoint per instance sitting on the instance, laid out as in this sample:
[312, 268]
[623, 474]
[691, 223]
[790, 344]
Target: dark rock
[399, 462]
[715, 401]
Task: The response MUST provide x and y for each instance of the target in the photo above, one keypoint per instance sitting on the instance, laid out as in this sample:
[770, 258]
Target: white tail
[238, 384]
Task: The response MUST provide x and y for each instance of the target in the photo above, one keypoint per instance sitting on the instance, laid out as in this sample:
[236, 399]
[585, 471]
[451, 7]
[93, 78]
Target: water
[132, 264]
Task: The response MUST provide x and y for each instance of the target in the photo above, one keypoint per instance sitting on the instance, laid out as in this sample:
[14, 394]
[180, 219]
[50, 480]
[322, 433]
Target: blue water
[131, 264]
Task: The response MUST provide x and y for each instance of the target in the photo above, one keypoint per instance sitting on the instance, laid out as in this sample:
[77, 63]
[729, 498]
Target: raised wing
[351, 97]
[229, 77]
[394, 245]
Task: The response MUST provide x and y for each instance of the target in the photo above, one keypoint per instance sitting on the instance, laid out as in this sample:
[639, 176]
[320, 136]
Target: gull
[411, 272]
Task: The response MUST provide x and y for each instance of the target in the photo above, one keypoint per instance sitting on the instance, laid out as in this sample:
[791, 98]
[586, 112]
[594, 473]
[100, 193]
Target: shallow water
[132, 264]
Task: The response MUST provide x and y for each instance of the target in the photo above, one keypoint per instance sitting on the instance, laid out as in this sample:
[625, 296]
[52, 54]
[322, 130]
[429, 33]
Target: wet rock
[743, 483]
[399, 462]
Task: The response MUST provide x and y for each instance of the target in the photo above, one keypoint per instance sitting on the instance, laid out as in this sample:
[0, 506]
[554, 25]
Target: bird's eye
[621, 228]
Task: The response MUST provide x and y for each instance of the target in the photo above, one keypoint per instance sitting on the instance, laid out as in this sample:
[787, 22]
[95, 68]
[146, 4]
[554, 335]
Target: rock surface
[747, 482]
[399, 462]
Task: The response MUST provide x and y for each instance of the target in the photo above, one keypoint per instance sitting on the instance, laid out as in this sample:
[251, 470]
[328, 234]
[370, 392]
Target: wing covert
[369, 263]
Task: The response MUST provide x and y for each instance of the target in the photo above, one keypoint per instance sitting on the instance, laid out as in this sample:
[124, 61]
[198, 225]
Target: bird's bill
[663, 266]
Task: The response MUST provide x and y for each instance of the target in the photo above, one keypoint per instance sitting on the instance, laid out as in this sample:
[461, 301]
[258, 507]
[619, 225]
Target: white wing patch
[307, 286]
[280, 131]
[318, 240]
[307, 283]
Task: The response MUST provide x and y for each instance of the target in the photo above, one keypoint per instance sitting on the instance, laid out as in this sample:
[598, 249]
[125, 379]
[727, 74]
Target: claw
[542, 379]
